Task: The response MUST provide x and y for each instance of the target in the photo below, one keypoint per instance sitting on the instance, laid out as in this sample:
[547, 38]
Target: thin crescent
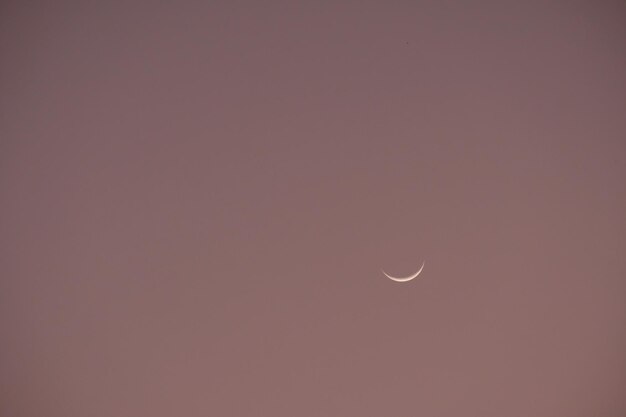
[406, 278]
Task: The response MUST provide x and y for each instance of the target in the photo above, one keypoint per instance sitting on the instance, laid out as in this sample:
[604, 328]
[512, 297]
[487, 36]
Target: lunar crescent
[405, 279]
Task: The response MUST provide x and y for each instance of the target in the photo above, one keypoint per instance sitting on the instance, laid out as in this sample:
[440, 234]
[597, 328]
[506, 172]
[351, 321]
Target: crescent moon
[405, 279]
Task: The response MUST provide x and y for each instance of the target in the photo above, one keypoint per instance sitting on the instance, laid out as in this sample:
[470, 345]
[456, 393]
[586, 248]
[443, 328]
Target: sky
[197, 200]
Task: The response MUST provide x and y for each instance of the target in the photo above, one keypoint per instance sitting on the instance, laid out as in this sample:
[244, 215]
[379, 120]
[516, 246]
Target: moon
[405, 279]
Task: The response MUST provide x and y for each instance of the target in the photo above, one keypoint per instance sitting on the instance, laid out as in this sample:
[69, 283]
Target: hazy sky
[197, 200]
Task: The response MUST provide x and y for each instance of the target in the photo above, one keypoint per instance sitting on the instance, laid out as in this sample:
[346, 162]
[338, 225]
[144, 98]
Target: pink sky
[197, 201]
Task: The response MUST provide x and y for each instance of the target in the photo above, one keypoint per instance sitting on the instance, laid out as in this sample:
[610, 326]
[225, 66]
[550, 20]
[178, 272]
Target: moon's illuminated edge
[405, 279]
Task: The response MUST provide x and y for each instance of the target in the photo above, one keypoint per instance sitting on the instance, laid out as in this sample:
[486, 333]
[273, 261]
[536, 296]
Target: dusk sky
[197, 201]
